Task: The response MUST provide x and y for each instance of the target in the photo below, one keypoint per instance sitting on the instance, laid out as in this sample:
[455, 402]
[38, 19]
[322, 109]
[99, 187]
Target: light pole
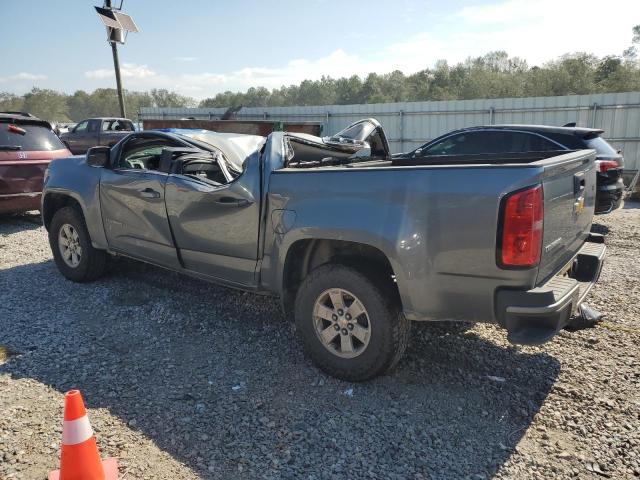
[117, 23]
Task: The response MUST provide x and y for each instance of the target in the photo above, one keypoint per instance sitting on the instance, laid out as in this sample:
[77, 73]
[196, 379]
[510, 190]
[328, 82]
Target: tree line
[493, 75]
[102, 102]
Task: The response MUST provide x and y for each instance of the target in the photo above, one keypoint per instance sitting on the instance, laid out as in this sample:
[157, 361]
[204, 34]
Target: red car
[27, 145]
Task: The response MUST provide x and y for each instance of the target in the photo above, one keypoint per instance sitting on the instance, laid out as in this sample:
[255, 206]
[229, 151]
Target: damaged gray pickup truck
[356, 244]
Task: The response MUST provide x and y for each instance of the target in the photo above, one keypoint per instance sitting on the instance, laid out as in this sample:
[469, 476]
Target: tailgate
[569, 183]
[24, 173]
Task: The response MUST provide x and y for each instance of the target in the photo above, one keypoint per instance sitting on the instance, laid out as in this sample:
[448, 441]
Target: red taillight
[604, 165]
[522, 215]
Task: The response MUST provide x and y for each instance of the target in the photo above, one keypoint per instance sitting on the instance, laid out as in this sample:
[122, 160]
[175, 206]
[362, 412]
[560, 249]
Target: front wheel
[351, 325]
[71, 246]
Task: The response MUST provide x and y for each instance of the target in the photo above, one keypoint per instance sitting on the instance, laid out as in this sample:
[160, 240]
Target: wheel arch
[305, 255]
[54, 201]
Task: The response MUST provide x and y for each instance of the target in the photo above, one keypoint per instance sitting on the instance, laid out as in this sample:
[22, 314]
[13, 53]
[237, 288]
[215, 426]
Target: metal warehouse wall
[410, 124]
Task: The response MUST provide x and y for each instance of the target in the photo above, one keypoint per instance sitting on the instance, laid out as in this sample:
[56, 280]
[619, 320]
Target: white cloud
[536, 31]
[542, 30]
[23, 77]
[128, 70]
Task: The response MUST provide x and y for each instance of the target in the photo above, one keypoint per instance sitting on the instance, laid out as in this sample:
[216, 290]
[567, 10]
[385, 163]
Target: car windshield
[601, 146]
[28, 138]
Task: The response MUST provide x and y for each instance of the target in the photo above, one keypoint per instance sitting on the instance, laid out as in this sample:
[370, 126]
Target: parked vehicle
[96, 132]
[27, 145]
[61, 128]
[502, 139]
[355, 244]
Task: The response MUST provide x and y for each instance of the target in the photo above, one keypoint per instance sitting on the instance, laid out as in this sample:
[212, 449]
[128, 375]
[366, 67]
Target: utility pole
[117, 22]
[116, 66]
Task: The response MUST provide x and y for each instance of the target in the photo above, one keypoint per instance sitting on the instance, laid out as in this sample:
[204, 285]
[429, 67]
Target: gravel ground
[188, 380]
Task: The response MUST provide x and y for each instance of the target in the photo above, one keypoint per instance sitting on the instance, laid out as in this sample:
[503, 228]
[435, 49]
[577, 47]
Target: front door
[77, 139]
[132, 198]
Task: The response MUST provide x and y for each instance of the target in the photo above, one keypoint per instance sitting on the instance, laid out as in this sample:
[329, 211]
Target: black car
[505, 139]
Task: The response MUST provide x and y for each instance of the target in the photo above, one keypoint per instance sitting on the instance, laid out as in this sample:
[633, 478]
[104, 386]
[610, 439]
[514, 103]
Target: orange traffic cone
[80, 459]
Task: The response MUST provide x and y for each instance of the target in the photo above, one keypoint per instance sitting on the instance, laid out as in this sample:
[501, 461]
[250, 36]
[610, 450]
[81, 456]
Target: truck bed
[438, 223]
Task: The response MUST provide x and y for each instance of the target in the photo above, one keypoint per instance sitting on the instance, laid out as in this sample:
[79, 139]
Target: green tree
[135, 100]
[164, 98]
[47, 104]
[11, 102]
[349, 90]
[631, 53]
[80, 106]
[373, 89]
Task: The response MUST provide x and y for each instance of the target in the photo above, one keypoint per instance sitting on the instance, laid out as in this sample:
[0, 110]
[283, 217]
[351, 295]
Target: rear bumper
[608, 195]
[21, 202]
[534, 316]
[21, 183]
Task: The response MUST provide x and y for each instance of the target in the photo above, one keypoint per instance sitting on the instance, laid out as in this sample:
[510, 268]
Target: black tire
[389, 328]
[92, 261]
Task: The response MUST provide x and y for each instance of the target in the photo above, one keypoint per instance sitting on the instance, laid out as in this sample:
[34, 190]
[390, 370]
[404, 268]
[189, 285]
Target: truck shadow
[216, 378]
[18, 223]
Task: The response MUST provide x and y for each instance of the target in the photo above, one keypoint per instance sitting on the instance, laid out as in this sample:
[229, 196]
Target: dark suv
[27, 145]
[505, 139]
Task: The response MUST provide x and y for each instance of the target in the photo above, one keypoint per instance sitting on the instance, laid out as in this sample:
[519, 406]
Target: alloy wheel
[341, 323]
[69, 245]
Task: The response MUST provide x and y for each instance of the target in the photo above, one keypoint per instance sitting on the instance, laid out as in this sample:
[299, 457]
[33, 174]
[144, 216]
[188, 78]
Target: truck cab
[94, 132]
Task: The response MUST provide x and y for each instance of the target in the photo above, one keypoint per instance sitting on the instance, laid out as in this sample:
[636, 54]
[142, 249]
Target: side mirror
[98, 156]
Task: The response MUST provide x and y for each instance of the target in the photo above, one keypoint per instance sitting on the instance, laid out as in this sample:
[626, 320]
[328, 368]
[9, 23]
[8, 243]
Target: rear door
[569, 184]
[215, 221]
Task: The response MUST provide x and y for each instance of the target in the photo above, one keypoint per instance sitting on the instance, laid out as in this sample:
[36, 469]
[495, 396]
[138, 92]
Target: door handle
[232, 202]
[578, 183]
[149, 193]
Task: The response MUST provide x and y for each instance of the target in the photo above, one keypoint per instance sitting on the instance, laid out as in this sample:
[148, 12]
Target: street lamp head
[117, 24]
[115, 35]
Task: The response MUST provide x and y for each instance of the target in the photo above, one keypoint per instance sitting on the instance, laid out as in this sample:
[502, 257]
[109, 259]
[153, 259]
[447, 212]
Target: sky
[202, 47]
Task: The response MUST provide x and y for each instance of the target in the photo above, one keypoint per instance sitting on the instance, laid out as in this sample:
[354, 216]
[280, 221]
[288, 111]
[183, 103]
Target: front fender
[73, 178]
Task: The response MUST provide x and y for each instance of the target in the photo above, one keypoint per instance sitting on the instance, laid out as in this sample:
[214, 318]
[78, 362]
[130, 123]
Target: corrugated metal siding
[410, 124]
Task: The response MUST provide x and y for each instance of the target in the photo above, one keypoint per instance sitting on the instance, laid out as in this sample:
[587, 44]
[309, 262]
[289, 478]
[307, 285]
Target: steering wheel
[135, 163]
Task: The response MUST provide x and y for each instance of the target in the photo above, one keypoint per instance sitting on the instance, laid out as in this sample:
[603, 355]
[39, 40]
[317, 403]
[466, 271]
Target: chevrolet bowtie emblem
[578, 206]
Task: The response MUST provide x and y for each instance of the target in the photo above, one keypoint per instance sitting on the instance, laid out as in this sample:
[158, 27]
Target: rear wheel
[71, 247]
[350, 324]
